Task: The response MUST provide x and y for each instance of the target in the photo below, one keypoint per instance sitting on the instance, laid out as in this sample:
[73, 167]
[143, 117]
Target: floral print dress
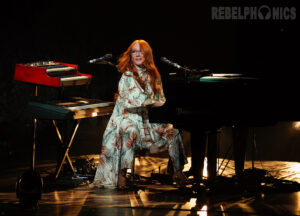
[129, 129]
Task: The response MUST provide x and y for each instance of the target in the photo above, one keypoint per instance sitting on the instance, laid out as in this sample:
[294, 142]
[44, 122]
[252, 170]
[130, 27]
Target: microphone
[165, 60]
[105, 57]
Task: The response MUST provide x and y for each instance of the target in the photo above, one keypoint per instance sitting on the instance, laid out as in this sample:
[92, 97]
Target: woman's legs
[106, 173]
[178, 158]
[176, 152]
[130, 135]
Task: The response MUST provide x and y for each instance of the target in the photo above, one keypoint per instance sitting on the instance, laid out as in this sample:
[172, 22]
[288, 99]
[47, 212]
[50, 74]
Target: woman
[129, 127]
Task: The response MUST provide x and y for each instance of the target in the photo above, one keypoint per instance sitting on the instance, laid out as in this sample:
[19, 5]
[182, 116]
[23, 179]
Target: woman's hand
[155, 103]
[149, 101]
[158, 103]
[154, 149]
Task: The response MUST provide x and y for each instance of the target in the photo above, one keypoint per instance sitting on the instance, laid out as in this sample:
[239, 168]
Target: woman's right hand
[148, 101]
[158, 103]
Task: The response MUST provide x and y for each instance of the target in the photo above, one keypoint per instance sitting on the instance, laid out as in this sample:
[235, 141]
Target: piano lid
[223, 77]
[190, 77]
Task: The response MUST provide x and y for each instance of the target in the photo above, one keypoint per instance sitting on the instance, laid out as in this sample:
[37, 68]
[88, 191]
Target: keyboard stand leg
[34, 132]
[34, 143]
[66, 155]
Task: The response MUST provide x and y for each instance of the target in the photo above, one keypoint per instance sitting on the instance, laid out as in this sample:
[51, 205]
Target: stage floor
[271, 198]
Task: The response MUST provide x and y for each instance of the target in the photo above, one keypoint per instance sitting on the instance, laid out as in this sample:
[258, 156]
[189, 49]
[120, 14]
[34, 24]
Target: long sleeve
[160, 93]
[130, 92]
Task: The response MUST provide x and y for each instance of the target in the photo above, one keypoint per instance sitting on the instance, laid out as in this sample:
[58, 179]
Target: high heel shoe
[180, 179]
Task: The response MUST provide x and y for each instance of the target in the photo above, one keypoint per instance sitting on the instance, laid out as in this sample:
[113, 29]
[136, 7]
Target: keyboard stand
[74, 114]
[68, 146]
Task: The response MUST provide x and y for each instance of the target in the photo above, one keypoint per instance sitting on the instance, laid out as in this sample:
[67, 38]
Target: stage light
[296, 125]
[296, 170]
[203, 211]
[94, 114]
[205, 174]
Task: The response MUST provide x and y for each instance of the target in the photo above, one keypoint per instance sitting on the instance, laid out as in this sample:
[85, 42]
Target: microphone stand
[105, 62]
[191, 74]
[194, 74]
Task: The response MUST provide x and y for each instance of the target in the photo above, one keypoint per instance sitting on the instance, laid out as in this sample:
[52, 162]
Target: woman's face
[137, 57]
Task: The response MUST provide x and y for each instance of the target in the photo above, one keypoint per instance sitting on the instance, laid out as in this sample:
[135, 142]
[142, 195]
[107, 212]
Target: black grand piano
[202, 102]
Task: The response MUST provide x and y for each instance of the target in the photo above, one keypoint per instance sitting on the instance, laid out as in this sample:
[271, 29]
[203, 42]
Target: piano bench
[140, 155]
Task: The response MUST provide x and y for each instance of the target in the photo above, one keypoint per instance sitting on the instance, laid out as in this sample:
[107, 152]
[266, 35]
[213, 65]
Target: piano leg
[212, 143]
[198, 149]
[240, 137]
[198, 146]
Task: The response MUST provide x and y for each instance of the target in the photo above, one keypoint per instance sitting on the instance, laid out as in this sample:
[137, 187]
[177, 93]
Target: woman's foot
[180, 178]
[93, 186]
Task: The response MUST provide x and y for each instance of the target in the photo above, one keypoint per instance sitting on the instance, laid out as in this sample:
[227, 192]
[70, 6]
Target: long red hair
[125, 64]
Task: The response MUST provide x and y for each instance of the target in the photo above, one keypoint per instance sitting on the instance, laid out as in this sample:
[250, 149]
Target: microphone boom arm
[106, 62]
[189, 73]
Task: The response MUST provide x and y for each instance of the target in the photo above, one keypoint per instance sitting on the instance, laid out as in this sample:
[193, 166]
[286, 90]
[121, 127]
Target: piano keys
[50, 73]
[74, 108]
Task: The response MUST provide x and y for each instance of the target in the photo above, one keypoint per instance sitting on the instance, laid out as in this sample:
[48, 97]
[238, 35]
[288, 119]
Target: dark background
[77, 31]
